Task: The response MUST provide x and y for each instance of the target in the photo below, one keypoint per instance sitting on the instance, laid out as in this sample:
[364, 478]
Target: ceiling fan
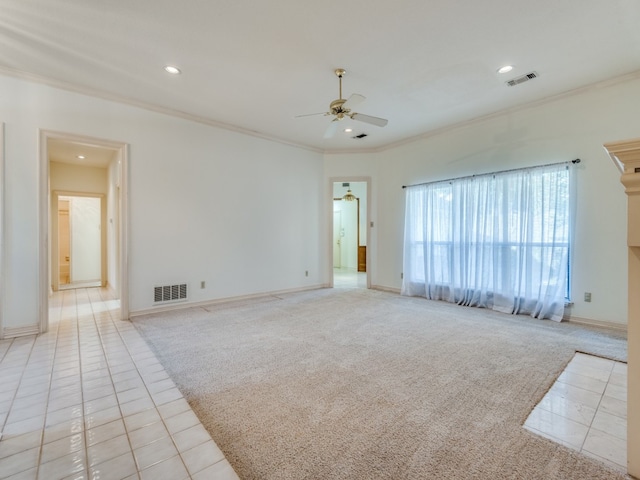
[342, 108]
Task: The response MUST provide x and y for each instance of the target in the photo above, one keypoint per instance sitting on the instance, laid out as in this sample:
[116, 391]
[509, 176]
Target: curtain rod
[577, 160]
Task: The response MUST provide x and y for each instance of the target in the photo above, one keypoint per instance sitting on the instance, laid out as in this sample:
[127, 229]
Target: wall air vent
[170, 293]
[522, 78]
[362, 135]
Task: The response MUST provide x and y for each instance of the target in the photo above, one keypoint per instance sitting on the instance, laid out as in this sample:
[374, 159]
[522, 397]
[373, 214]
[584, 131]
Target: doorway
[81, 250]
[351, 267]
[83, 218]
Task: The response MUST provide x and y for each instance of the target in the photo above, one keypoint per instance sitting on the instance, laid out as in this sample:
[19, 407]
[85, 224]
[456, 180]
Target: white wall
[215, 205]
[574, 126]
[77, 178]
[205, 203]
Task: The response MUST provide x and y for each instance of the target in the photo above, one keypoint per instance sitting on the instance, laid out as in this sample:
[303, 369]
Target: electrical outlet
[587, 296]
[306, 273]
[202, 284]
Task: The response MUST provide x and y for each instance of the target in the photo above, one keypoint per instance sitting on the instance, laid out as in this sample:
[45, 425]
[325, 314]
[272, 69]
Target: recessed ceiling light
[172, 70]
[81, 157]
[505, 69]
[348, 130]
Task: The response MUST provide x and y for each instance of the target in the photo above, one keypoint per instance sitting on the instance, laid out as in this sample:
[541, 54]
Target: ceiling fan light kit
[349, 196]
[342, 108]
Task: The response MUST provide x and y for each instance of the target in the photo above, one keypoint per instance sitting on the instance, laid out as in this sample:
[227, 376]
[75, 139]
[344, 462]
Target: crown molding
[526, 106]
[326, 151]
[150, 107]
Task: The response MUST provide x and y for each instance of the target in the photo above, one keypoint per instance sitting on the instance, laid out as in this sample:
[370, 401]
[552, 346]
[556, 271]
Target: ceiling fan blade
[332, 128]
[380, 122]
[354, 100]
[311, 114]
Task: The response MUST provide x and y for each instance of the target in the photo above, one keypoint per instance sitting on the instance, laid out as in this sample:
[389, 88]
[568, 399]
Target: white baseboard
[183, 305]
[382, 288]
[13, 332]
[621, 327]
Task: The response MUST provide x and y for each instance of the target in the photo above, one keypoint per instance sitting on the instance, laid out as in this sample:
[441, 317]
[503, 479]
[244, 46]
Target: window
[499, 241]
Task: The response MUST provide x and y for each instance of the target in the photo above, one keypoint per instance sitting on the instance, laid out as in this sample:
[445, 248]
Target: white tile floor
[349, 278]
[89, 399]
[586, 410]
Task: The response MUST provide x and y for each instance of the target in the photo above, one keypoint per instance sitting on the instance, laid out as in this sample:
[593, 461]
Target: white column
[626, 156]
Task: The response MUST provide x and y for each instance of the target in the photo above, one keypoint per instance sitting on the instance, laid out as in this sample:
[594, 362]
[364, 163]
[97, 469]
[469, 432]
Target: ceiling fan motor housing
[336, 108]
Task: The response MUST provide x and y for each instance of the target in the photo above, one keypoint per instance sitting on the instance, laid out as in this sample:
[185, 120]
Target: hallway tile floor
[89, 399]
[586, 410]
[349, 278]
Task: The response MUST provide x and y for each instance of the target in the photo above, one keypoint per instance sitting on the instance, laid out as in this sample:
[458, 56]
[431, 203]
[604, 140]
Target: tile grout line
[155, 406]
[84, 413]
[64, 318]
[75, 322]
[76, 339]
[597, 408]
[109, 368]
[15, 394]
[13, 399]
[601, 394]
[55, 353]
[590, 428]
[4, 355]
[591, 425]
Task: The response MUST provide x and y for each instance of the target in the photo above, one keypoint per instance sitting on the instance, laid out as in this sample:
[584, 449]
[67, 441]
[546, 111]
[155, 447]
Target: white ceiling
[66, 151]
[254, 65]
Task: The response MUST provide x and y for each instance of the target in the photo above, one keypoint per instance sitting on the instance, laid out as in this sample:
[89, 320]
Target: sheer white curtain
[499, 241]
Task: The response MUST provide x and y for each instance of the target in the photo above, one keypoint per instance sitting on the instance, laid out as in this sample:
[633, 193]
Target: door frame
[44, 216]
[55, 229]
[370, 241]
[333, 237]
[1, 229]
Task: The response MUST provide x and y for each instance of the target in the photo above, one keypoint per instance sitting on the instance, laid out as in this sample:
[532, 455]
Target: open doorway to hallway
[350, 234]
[83, 217]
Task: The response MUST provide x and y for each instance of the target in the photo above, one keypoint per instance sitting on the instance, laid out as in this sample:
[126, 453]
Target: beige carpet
[361, 384]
